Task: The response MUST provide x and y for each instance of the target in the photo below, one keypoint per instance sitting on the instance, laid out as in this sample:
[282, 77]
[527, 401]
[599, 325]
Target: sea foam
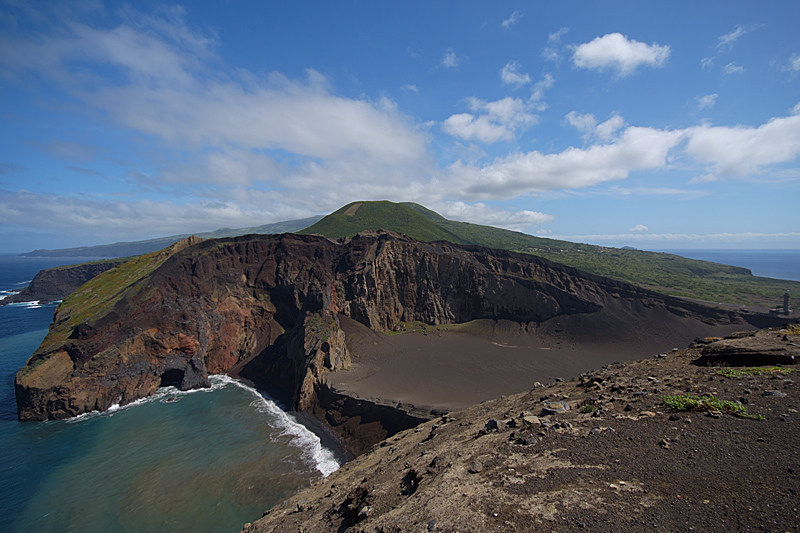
[298, 435]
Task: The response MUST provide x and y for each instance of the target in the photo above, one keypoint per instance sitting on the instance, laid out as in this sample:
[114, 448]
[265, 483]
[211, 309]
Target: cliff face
[266, 308]
[53, 284]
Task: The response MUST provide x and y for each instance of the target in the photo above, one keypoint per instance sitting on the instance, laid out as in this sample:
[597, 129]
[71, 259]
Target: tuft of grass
[588, 408]
[736, 373]
[688, 402]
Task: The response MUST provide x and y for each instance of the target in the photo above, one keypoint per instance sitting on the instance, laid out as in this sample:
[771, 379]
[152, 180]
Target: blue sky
[654, 125]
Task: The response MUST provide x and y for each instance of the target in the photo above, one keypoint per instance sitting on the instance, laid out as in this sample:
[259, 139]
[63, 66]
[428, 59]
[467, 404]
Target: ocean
[200, 461]
[778, 264]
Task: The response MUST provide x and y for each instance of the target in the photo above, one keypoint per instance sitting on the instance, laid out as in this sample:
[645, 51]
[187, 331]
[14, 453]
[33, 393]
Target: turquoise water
[198, 461]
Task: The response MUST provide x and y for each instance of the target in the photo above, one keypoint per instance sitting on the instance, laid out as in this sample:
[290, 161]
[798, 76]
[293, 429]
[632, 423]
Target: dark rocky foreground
[53, 284]
[266, 308]
[597, 453]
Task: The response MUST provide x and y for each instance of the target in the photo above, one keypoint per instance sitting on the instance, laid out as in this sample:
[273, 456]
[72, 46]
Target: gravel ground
[597, 453]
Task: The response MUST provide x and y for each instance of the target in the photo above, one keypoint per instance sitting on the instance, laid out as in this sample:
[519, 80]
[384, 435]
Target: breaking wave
[298, 435]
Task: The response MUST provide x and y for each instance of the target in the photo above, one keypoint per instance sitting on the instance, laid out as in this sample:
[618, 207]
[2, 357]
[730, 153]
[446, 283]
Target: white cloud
[707, 101]
[513, 19]
[494, 121]
[126, 220]
[409, 88]
[794, 63]
[510, 75]
[636, 149]
[732, 68]
[450, 59]
[615, 51]
[552, 52]
[707, 62]
[640, 228]
[725, 42]
[539, 88]
[480, 213]
[743, 151]
[590, 129]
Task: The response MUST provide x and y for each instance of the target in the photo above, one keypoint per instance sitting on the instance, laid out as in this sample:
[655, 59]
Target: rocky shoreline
[54, 284]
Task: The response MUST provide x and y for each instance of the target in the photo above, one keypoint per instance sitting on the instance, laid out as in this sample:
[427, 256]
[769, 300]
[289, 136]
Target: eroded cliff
[267, 307]
[52, 284]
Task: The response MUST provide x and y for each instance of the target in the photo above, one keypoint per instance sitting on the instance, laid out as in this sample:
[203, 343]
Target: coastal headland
[304, 317]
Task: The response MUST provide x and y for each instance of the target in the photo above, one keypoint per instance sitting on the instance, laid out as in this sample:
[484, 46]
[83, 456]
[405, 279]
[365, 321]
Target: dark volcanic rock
[765, 347]
[267, 307]
[52, 284]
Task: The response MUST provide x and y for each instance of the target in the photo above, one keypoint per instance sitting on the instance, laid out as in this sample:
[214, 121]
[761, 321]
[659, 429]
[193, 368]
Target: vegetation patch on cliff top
[98, 296]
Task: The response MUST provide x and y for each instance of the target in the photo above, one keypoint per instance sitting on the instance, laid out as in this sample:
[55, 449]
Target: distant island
[127, 249]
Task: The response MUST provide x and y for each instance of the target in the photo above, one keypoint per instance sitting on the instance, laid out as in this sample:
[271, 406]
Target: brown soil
[445, 369]
[617, 459]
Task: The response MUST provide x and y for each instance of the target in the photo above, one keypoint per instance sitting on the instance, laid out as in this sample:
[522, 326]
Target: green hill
[360, 216]
[667, 273]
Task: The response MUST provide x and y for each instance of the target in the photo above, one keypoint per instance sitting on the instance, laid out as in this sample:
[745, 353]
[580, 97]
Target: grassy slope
[97, 296]
[377, 215]
[665, 272]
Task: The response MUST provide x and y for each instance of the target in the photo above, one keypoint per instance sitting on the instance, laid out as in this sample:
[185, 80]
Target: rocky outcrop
[53, 284]
[751, 348]
[267, 307]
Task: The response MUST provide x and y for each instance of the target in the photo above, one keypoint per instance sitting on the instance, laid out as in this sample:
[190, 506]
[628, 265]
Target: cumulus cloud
[510, 75]
[491, 122]
[707, 101]
[616, 52]
[636, 149]
[640, 228]
[742, 150]
[512, 20]
[450, 59]
[480, 213]
[590, 129]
